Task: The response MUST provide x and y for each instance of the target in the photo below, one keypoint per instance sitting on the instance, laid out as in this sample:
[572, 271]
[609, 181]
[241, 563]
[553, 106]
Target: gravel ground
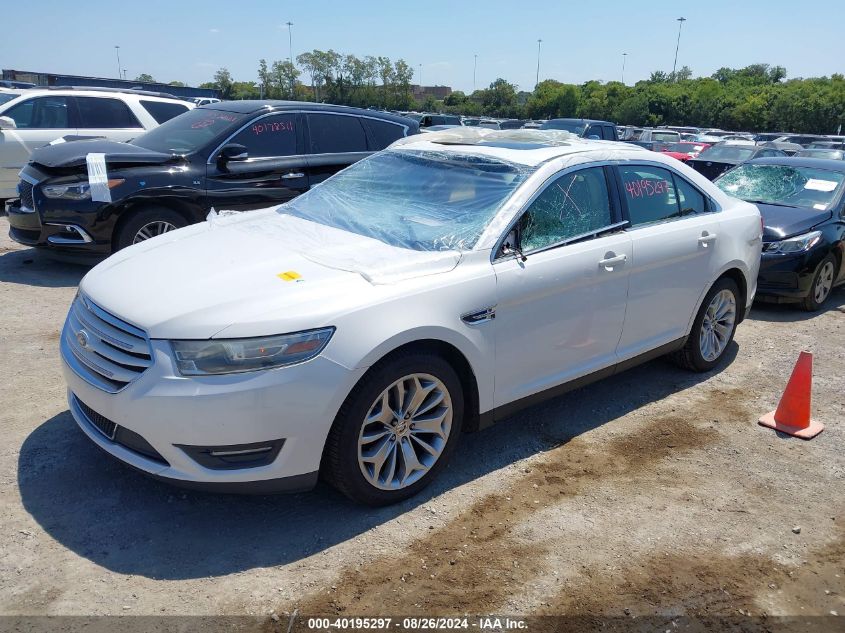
[651, 493]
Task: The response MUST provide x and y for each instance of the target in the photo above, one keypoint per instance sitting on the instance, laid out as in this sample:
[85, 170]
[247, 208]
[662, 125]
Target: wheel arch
[190, 212]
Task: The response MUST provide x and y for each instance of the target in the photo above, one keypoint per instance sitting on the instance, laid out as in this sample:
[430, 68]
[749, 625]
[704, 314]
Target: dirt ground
[653, 493]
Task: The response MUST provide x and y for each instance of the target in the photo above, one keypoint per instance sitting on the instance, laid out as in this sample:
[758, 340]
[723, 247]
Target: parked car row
[237, 155]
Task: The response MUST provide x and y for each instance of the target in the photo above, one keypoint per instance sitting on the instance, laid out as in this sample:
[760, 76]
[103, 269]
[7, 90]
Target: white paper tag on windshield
[98, 177]
[815, 184]
[820, 207]
[61, 139]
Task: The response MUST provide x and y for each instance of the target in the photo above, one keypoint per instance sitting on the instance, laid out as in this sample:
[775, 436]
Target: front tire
[713, 329]
[822, 285]
[147, 223]
[396, 430]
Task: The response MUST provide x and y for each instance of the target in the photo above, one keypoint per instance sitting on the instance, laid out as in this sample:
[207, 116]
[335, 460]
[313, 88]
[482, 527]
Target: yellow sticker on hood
[290, 275]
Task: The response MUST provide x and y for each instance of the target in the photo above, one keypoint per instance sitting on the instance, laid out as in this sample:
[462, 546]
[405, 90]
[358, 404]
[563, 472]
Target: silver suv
[39, 116]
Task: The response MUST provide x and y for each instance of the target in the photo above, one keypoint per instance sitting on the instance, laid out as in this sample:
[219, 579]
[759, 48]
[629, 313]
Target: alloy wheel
[152, 229]
[405, 431]
[824, 283]
[717, 326]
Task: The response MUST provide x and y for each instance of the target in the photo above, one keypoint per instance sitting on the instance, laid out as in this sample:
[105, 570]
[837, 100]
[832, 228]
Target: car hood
[253, 274]
[782, 222]
[74, 153]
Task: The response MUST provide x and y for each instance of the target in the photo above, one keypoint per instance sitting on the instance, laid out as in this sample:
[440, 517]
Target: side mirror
[233, 151]
[7, 123]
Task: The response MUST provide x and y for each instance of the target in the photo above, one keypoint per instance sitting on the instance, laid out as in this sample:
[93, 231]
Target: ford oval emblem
[82, 339]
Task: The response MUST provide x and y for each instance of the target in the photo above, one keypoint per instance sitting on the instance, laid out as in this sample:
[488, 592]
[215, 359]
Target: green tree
[144, 77]
[223, 82]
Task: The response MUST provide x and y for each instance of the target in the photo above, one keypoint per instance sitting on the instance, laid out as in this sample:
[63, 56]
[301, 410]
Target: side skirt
[489, 418]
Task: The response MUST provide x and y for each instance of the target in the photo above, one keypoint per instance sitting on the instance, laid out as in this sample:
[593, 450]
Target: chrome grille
[102, 349]
[25, 190]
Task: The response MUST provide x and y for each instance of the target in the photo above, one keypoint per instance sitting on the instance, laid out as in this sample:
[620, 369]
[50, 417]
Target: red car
[684, 150]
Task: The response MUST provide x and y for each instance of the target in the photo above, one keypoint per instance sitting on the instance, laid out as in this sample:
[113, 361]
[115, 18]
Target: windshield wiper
[774, 204]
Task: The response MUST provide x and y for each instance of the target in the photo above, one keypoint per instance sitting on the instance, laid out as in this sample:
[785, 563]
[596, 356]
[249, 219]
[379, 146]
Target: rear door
[335, 141]
[273, 172]
[675, 238]
[107, 117]
[39, 121]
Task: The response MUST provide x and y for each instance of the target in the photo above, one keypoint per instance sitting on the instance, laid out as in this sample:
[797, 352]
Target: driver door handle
[294, 174]
[610, 262]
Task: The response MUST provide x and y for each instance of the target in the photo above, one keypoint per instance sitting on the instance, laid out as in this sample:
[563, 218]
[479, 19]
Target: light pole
[624, 57]
[474, 68]
[419, 77]
[117, 51]
[290, 56]
[124, 74]
[537, 82]
[681, 21]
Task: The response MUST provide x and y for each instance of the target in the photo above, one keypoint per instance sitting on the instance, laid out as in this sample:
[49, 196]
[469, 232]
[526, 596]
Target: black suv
[237, 155]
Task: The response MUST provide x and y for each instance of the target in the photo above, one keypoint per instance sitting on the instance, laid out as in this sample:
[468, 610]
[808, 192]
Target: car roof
[82, 91]
[569, 120]
[525, 147]
[830, 164]
[249, 106]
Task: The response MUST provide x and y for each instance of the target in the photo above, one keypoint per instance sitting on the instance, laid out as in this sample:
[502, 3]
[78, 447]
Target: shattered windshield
[421, 200]
[727, 153]
[785, 185]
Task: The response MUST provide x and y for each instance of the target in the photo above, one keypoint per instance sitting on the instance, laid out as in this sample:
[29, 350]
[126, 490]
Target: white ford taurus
[435, 287]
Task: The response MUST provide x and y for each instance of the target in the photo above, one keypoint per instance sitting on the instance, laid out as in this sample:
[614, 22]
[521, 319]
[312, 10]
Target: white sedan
[433, 288]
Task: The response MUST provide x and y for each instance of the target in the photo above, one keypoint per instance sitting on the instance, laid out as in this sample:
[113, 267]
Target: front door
[674, 235]
[273, 172]
[560, 311]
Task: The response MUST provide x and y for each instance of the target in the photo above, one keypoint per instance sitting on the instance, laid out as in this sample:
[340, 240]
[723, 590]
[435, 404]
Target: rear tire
[147, 223]
[713, 329]
[822, 285]
[386, 444]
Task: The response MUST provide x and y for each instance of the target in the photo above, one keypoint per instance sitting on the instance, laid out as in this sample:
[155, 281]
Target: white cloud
[214, 31]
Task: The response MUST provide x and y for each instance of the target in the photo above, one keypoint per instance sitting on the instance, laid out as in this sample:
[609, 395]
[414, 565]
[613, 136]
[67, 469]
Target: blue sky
[188, 40]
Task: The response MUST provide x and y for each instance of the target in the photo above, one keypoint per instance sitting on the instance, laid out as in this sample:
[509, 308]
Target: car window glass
[40, 113]
[383, 133]
[333, 133]
[98, 112]
[608, 132]
[691, 200]
[271, 136]
[574, 204]
[650, 193]
[163, 111]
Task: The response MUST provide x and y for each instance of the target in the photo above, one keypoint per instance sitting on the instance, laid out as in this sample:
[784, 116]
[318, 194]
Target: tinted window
[96, 112]
[691, 200]
[383, 133]
[608, 133]
[163, 111]
[576, 203]
[650, 193]
[333, 133]
[7, 96]
[40, 113]
[270, 136]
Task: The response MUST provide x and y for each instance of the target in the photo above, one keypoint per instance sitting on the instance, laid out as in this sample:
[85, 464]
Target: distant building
[438, 92]
[55, 79]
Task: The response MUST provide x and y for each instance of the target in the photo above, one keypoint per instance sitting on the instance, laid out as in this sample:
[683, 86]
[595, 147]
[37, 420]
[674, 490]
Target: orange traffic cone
[793, 413]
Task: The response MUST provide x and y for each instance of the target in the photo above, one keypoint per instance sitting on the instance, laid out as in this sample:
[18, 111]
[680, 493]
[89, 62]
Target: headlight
[75, 190]
[797, 244]
[230, 356]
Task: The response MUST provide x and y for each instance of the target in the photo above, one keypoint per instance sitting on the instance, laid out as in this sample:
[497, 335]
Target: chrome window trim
[211, 161]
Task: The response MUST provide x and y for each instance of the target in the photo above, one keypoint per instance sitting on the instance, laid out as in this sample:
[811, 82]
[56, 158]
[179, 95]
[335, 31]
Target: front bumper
[64, 231]
[171, 413]
[787, 278]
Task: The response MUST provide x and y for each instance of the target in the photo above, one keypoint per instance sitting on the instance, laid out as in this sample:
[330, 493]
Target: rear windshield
[7, 96]
[728, 153]
[569, 126]
[665, 136]
[163, 111]
[191, 131]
